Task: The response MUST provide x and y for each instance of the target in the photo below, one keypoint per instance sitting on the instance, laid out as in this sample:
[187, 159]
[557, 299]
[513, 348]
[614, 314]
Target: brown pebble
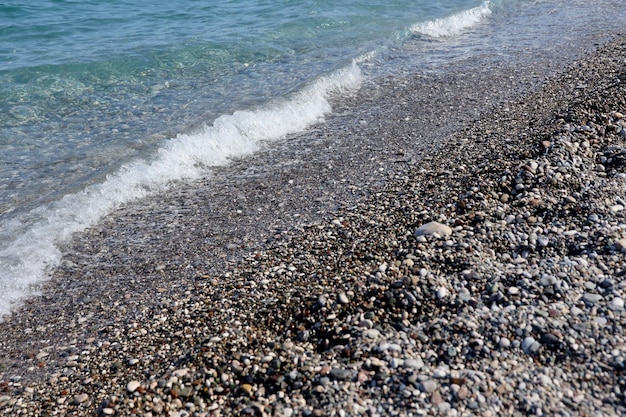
[463, 392]
[435, 398]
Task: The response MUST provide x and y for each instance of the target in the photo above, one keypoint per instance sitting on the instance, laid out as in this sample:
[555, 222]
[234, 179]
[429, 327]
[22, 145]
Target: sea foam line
[34, 249]
[455, 24]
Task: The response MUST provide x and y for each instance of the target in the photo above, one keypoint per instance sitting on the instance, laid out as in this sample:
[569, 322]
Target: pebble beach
[407, 259]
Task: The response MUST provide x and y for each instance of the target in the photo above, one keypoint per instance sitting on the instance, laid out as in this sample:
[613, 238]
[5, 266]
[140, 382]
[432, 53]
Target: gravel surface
[403, 258]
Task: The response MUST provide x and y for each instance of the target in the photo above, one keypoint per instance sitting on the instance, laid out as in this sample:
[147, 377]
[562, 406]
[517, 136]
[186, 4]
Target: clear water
[102, 103]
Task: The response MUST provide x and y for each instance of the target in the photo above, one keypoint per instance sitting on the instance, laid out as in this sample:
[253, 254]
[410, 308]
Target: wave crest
[453, 25]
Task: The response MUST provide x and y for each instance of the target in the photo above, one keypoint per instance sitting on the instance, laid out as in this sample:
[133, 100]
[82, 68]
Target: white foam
[31, 246]
[453, 25]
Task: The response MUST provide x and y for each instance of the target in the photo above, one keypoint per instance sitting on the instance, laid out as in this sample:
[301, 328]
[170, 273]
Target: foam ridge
[33, 244]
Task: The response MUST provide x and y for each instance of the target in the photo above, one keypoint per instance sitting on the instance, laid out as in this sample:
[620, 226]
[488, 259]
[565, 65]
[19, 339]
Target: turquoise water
[88, 84]
[102, 103]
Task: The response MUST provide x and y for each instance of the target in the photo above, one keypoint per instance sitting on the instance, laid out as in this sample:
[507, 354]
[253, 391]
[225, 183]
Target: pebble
[591, 298]
[543, 241]
[442, 292]
[132, 386]
[429, 385]
[620, 244]
[340, 374]
[530, 345]
[617, 303]
[81, 398]
[504, 343]
[415, 363]
[343, 298]
[433, 228]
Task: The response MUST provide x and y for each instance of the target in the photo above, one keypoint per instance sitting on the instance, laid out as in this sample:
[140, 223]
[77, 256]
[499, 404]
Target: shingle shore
[509, 302]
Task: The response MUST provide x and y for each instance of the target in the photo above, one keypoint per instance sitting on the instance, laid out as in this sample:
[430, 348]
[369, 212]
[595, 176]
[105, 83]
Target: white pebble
[433, 228]
[343, 298]
[617, 303]
[132, 386]
[528, 345]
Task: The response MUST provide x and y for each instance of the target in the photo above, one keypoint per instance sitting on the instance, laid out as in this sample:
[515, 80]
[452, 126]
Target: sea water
[103, 103]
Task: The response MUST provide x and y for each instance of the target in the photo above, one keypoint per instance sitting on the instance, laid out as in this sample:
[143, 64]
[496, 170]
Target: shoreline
[315, 304]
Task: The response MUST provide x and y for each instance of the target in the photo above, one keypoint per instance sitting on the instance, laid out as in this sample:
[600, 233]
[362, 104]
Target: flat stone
[413, 363]
[543, 241]
[549, 339]
[433, 228]
[340, 374]
[591, 298]
[180, 372]
[81, 398]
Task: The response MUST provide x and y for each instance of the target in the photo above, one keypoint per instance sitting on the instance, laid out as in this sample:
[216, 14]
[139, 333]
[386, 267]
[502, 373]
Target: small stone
[343, 298]
[429, 385]
[464, 294]
[413, 363]
[618, 115]
[462, 393]
[81, 398]
[377, 363]
[549, 339]
[433, 228]
[620, 245]
[600, 321]
[504, 343]
[132, 386]
[366, 324]
[108, 411]
[530, 345]
[247, 388]
[591, 298]
[617, 303]
[340, 374]
[435, 398]
[442, 292]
